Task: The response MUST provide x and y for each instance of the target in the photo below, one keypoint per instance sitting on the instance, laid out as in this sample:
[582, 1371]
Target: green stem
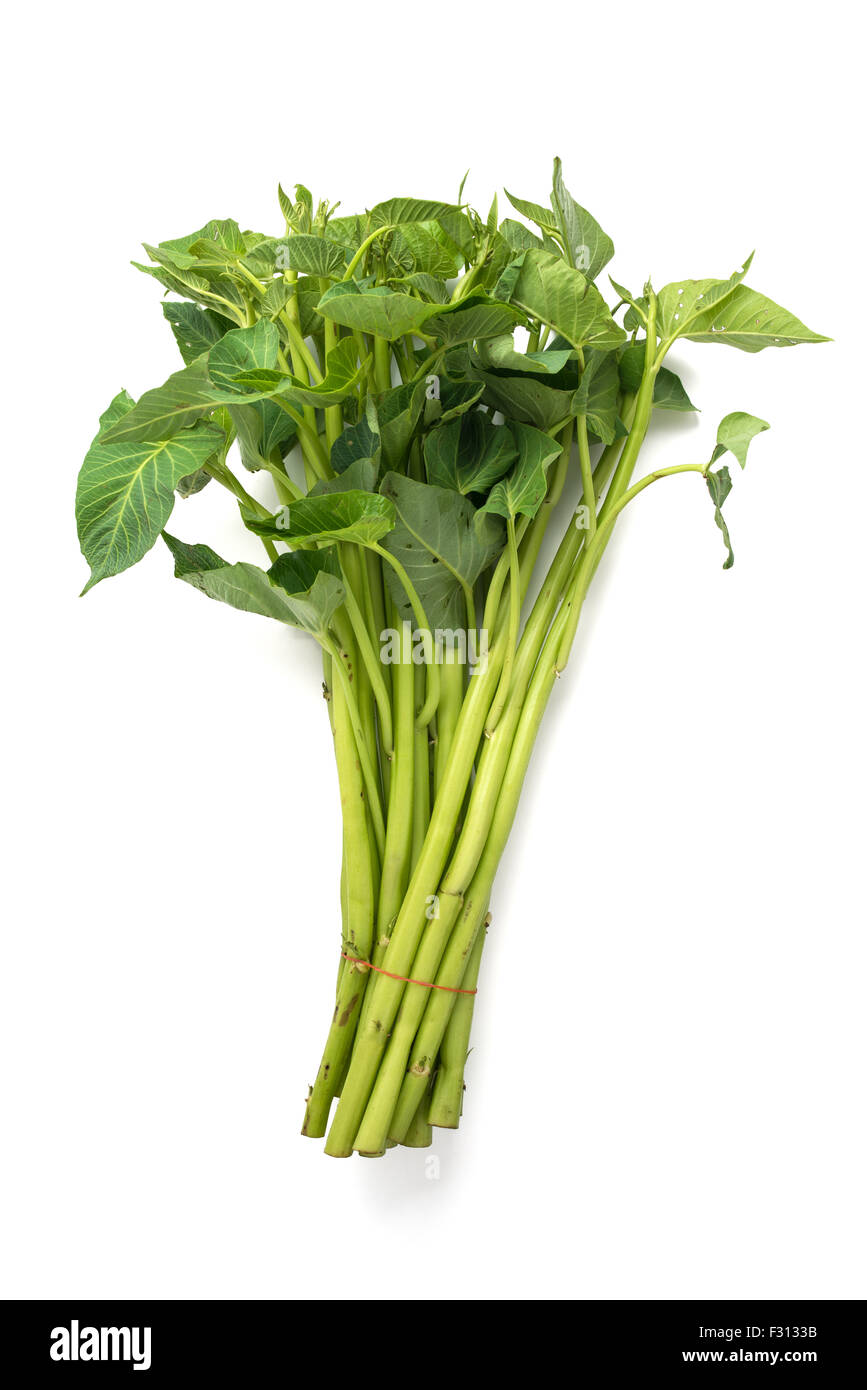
[382, 364]
[300, 351]
[333, 413]
[359, 255]
[398, 837]
[428, 709]
[412, 917]
[447, 1096]
[584, 458]
[371, 781]
[373, 666]
[421, 777]
[448, 713]
[514, 624]
[358, 921]
[418, 1060]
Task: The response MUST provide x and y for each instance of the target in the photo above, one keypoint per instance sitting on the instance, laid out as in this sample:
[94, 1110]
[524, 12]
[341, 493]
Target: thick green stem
[341, 656]
[514, 622]
[373, 666]
[358, 892]
[419, 1134]
[447, 1097]
[412, 917]
[446, 900]
[421, 777]
[428, 709]
[448, 712]
[437, 1007]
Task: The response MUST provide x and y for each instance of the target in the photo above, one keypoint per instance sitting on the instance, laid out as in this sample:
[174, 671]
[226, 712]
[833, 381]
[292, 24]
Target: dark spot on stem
[347, 1012]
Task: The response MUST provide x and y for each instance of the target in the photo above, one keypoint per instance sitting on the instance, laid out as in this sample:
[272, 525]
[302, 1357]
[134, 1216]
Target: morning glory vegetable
[413, 384]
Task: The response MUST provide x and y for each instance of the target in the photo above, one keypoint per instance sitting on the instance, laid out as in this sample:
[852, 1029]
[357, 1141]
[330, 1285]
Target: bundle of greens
[417, 380]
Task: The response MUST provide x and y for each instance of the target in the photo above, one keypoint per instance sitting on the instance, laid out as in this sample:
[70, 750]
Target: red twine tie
[404, 979]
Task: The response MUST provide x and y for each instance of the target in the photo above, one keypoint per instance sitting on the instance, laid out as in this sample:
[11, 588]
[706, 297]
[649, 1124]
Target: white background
[666, 1095]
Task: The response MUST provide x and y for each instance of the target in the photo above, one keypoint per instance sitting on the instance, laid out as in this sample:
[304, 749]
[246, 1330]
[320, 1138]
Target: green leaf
[302, 591]
[429, 286]
[308, 292]
[563, 298]
[590, 248]
[238, 364]
[668, 389]
[342, 373]
[167, 409]
[362, 517]
[399, 412]
[454, 222]
[438, 544]
[424, 247]
[719, 485]
[468, 454]
[750, 321]
[357, 441]
[500, 354]
[349, 231]
[636, 314]
[263, 258]
[383, 312]
[523, 490]
[544, 218]
[527, 398]
[126, 492]
[360, 476]
[261, 428]
[312, 585]
[508, 279]
[517, 236]
[455, 399]
[297, 215]
[220, 292]
[524, 393]
[683, 304]
[242, 351]
[315, 255]
[192, 483]
[196, 330]
[598, 393]
[735, 433]
[477, 316]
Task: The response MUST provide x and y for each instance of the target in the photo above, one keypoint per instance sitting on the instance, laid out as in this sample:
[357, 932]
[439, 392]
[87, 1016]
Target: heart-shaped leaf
[300, 590]
[195, 329]
[523, 489]
[668, 389]
[439, 546]
[468, 454]
[358, 441]
[597, 396]
[362, 517]
[126, 491]
[385, 313]
[315, 255]
[477, 316]
[735, 434]
[566, 301]
[590, 249]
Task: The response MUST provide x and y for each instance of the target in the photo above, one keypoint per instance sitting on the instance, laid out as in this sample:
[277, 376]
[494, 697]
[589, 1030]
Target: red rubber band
[405, 979]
